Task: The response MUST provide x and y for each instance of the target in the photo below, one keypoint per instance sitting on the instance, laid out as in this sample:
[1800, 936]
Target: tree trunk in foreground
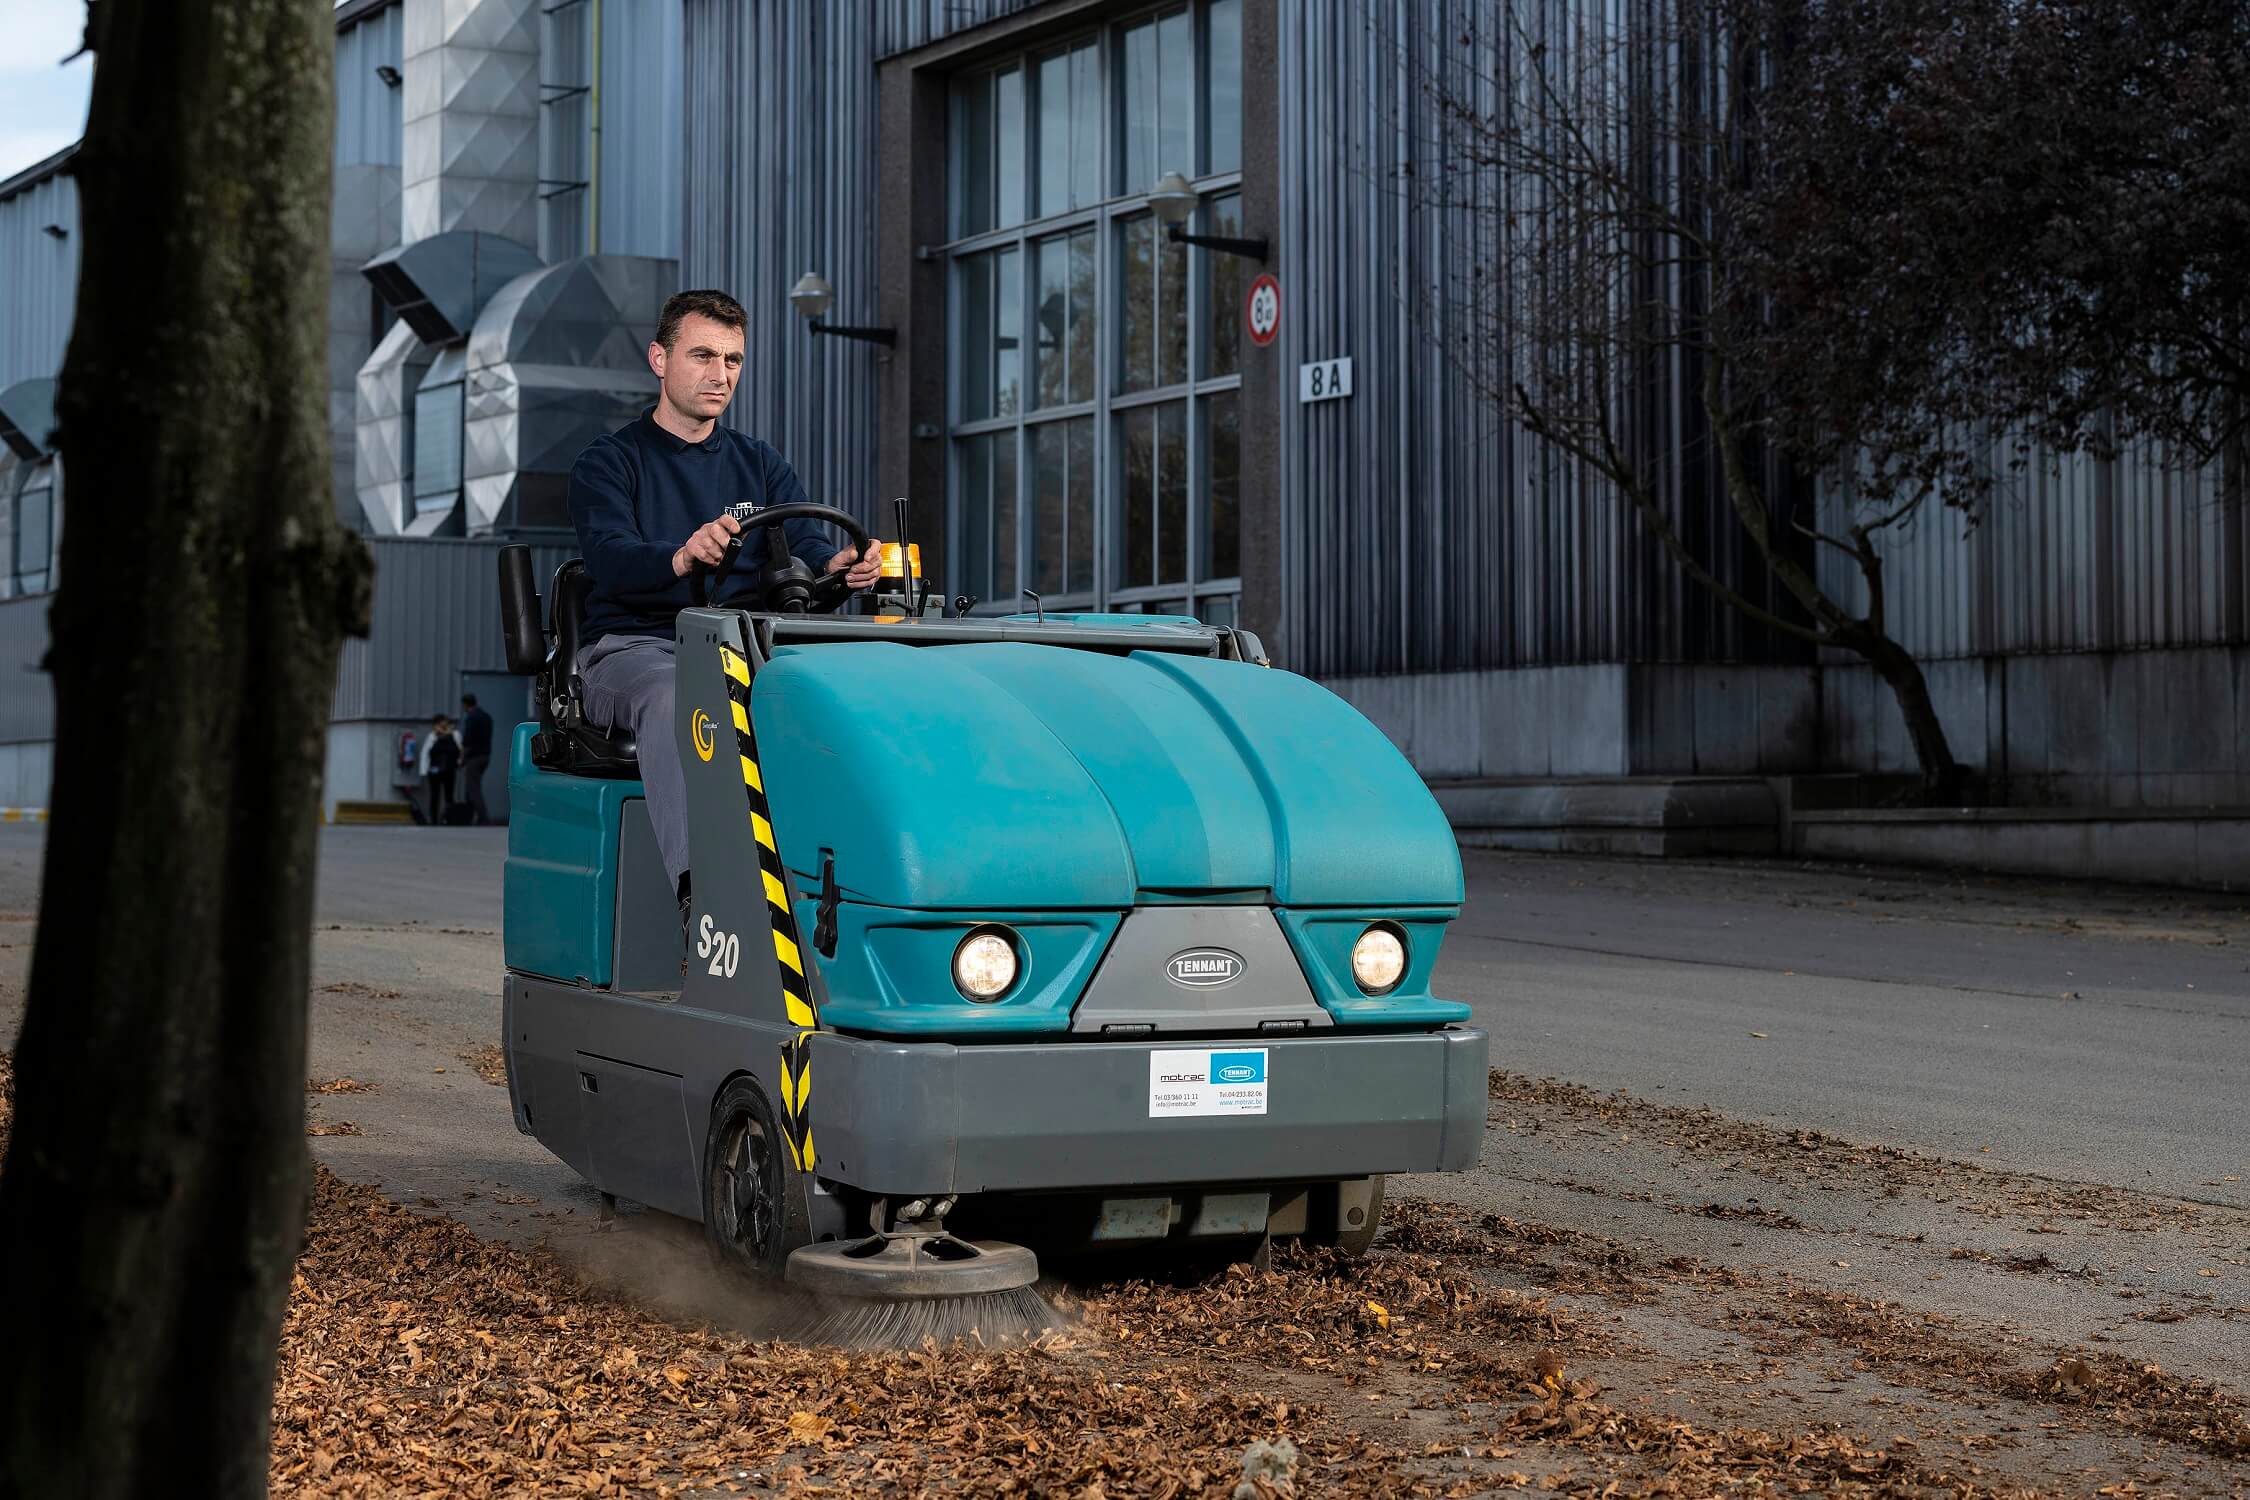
[154, 1193]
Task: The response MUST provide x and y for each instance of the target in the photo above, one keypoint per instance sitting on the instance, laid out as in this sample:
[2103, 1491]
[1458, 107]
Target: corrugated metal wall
[1421, 530]
[780, 180]
[38, 278]
[368, 128]
[642, 127]
[436, 615]
[2076, 554]
[902, 25]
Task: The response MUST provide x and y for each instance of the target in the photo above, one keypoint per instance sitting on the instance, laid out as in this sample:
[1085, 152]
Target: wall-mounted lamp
[1173, 202]
[811, 296]
[391, 76]
[54, 231]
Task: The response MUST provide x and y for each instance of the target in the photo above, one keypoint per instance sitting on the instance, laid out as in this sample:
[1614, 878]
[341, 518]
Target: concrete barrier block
[1586, 722]
[1514, 722]
[1845, 710]
[1788, 720]
[2027, 740]
[1724, 715]
[2199, 708]
[2240, 656]
[2222, 853]
[1445, 711]
[2112, 745]
[1892, 749]
[2076, 712]
[2162, 851]
[1663, 737]
[1957, 692]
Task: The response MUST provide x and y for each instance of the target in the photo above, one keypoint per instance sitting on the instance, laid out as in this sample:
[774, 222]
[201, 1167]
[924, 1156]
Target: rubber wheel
[1355, 1241]
[746, 1182]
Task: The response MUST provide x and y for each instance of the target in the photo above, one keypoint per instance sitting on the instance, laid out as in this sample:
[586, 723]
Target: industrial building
[976, 200]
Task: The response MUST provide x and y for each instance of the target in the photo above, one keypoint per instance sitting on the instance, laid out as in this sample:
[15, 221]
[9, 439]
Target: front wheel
[746, 1182]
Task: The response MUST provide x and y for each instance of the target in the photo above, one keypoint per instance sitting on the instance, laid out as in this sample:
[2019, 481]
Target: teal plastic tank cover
[1011, 775]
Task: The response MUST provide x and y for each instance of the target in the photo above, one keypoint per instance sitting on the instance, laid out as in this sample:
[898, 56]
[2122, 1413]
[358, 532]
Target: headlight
[1379, 959]
[985, 963]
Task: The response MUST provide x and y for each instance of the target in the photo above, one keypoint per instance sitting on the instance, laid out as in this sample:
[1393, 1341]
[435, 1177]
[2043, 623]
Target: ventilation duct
[27, 418]
[439, 285]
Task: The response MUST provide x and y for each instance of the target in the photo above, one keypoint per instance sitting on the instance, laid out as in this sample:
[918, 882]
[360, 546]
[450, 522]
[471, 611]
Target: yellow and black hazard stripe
[789, 956]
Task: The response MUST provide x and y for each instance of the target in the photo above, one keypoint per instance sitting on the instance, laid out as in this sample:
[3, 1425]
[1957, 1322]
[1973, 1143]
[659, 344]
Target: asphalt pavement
[2098, 1034]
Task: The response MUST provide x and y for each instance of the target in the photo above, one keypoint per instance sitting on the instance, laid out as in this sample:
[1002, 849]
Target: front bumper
[931, 1117]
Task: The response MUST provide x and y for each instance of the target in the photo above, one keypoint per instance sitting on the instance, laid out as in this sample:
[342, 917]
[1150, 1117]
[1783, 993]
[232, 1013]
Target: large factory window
[1095, 364]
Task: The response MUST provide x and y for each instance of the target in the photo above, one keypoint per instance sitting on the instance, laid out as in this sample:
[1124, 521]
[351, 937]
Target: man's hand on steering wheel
[708, 546]
[862, 571]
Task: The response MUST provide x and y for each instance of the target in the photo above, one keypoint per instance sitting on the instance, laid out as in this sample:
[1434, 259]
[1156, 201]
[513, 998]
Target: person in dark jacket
[440, 759]
[476, 754]
[649, 502]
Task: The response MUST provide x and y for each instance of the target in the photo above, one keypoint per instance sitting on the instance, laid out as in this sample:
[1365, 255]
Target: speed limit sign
[1262, 310]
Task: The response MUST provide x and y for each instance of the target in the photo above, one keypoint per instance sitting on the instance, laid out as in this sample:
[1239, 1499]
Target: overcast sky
[42, 104]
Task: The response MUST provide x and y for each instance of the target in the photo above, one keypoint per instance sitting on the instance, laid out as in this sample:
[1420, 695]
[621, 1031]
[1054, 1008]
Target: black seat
[567, 741]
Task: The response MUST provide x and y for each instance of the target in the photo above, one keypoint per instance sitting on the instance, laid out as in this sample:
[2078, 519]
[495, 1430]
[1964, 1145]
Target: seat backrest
[572, 587]
[567, 742]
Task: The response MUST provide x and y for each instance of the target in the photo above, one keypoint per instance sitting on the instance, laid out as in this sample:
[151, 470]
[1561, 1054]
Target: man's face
[699, 370]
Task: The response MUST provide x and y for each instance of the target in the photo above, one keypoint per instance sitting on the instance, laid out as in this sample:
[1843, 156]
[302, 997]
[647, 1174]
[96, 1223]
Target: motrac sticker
[1207, 1082]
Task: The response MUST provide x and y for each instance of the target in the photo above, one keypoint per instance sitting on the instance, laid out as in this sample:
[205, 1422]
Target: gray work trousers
[628, 685]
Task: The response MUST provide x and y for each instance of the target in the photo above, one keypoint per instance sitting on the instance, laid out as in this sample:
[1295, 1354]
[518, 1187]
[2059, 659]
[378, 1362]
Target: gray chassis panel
[930, 1117]
[906, 1117]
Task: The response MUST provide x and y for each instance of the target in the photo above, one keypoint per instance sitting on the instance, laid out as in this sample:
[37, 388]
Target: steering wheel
[788, 587]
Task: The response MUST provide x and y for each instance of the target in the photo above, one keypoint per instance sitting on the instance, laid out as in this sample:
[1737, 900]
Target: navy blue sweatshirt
[637, 493]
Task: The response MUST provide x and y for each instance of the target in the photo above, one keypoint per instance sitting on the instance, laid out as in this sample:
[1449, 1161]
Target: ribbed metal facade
[367, 109]
[780, 180]
[2079, 554]
[642, 128]
[903, 25]
[38, 277]
[436, 615]
[1422, 531]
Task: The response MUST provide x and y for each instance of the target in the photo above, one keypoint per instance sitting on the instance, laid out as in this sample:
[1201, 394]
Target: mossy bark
[153, 1198]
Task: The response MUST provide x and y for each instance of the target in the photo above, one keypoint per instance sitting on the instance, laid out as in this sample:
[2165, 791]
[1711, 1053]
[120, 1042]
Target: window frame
[1107, 218]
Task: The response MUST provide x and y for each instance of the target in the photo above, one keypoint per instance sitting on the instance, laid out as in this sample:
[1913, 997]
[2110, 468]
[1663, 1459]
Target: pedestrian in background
[441, 757]
[476, 754]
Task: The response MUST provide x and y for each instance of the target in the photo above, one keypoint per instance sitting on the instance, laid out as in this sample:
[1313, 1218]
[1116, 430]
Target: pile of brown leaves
[418, 1357]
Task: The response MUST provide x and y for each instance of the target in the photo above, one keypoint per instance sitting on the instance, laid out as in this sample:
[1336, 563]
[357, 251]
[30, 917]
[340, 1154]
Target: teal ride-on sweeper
[1067, 932]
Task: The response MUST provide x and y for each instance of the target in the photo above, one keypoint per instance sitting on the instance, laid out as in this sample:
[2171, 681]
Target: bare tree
[154, 1191]
[1616, 166]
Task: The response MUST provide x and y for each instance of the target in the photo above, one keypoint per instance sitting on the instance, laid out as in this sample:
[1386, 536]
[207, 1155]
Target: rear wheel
[746, 1182]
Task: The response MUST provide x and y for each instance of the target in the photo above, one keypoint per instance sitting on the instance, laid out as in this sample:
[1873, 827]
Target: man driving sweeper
[649, 501]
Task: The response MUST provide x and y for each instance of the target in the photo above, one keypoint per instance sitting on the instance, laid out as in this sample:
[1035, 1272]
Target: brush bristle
[988, 1318]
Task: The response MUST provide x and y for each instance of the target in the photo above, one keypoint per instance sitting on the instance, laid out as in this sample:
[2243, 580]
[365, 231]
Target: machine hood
[1018, 777]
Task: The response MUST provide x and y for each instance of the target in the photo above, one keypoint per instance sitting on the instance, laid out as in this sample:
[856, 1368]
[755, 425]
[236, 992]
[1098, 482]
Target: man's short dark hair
[468, 700]
[717, 306]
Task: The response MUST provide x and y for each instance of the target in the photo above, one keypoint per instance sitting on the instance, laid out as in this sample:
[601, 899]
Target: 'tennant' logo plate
[1202, 968]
